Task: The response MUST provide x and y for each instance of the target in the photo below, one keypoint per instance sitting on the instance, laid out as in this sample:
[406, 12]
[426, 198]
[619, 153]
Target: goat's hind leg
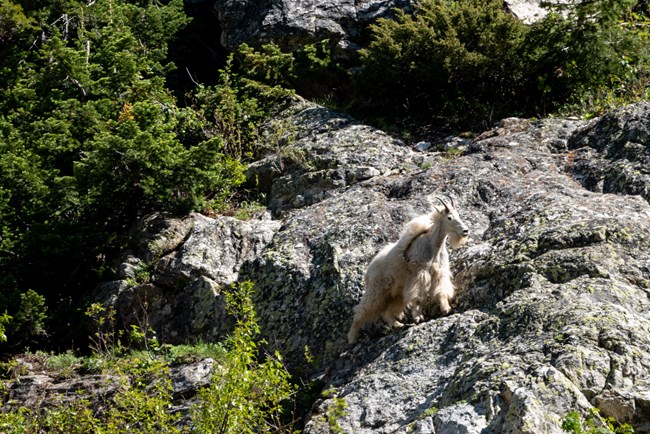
[361, 318]
[353, 334]
[416, 310]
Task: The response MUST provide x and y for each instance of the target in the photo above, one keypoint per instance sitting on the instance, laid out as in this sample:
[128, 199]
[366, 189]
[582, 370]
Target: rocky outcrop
[529, 11]
[38, 386]
[612, 153]
[551, 313]
[292, 24]
[180, 266]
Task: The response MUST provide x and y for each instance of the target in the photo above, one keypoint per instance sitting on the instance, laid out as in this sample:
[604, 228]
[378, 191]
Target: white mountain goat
[411, 271]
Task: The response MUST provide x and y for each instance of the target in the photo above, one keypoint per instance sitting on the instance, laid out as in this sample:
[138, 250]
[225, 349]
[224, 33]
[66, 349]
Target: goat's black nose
[466, 232]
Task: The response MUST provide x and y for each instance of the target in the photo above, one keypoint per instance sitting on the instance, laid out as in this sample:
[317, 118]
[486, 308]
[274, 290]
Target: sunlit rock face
[551, 313]
[293, 24]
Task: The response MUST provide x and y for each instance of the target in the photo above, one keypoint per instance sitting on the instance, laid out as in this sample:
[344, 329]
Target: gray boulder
[293, 24]
[172, 280]
[612, 154]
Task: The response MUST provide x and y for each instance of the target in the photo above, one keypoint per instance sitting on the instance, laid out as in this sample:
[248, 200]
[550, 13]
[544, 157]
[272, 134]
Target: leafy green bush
[589, 57]
[248, 389]
[29, 321]
[309, 70]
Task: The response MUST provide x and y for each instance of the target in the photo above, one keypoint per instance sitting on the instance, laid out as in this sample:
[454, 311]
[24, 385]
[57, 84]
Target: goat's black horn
[444, 204]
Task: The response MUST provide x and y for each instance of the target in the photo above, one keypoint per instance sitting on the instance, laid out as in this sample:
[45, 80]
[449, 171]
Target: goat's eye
[449, 217]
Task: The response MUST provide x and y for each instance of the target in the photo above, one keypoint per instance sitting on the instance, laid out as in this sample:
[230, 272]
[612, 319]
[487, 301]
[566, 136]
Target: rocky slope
[552, 308]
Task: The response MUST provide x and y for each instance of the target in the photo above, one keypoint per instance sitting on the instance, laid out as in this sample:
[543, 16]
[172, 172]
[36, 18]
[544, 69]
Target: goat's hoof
[418, 319]
[397, 324]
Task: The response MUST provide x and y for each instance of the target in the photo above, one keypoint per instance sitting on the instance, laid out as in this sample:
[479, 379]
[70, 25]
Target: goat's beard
[455, 241]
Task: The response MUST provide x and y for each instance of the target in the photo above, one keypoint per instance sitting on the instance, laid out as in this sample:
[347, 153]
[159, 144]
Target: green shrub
[21, 421]
[144, 403]
[455, 59]
[588, 57]
[29, 321]
[309, 70]
[91, 139]
[470, 63]
[105, 338]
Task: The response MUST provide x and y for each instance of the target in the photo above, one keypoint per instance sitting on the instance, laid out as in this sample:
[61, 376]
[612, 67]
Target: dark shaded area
[196, 51]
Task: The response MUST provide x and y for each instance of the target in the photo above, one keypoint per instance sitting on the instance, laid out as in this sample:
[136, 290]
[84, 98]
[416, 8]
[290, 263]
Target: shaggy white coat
[411, 272]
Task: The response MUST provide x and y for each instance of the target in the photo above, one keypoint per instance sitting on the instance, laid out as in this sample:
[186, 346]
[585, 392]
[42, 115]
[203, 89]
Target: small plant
[593, 424]
[145, 400]
[30, 318]
[18, 422]
[5, 320]
[141, 275]
[247, 210]
[191, 353]
[309, 356]
[12, 368]
[335, 411]
[65, 364]
[142, 335]
[105, 339]
[429, 412]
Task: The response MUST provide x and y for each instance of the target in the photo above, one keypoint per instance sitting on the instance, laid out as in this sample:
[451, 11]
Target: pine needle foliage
[92, 139]
[470, 63]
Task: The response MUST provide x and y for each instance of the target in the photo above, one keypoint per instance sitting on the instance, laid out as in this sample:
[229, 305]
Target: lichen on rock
[552, 289]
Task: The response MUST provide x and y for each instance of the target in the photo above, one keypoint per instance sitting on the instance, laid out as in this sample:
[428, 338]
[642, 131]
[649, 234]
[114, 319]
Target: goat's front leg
[393, 312]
